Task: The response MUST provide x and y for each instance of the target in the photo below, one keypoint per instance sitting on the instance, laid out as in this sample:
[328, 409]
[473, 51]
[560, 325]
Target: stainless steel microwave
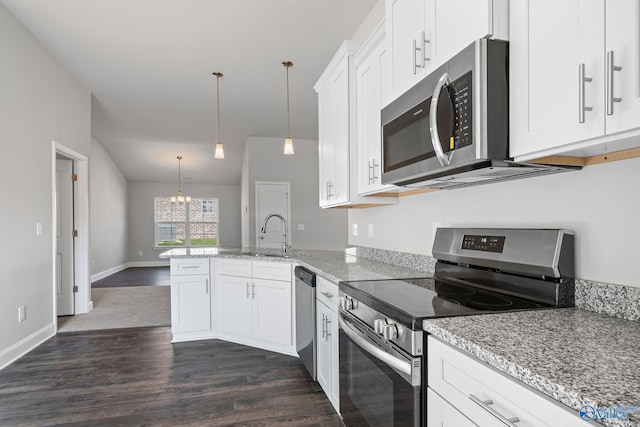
[451, 129]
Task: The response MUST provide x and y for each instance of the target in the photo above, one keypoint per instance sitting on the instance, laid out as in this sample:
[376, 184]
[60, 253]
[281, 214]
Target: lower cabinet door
[190, 303]
[272, 311]
[327, 352]
[234, 305]
[441, 414]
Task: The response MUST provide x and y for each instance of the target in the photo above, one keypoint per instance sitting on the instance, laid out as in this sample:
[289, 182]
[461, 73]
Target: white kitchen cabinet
[484, 395]
[423, 34]
[191, 302]
[336, 133]
[333, 90]
[373, 87]
[327, 340]
[441, 414]
[567, 94]
[251, 307]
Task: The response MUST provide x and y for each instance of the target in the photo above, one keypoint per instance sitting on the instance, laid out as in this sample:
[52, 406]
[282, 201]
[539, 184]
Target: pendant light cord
[288, 111]
[218, 91]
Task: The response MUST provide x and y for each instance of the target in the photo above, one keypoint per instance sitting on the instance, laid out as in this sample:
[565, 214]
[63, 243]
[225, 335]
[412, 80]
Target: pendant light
[180, 198]
[288, 142]
[219, 154]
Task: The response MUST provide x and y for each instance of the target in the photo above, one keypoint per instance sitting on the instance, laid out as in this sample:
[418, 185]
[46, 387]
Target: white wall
[323, 228]
[108, 212]
[140, 214]
[369, 23]
[600, 203]
[40, 101]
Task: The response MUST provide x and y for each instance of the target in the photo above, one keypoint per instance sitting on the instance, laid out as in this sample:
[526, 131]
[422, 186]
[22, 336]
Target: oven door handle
[444, 80]
[404, 367]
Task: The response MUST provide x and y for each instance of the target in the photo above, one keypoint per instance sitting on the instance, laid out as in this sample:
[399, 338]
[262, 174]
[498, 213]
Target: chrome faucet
[285, 244]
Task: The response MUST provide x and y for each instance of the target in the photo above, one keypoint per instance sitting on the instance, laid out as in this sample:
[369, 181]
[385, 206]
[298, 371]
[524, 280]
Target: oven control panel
[483, 243]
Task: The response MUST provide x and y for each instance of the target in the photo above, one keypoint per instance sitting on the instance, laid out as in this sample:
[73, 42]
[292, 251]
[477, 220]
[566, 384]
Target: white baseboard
[149, 263]
[116, 269]
[25, 345]
[109, 272]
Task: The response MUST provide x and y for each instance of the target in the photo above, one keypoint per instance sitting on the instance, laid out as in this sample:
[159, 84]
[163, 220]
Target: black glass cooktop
[409, 301]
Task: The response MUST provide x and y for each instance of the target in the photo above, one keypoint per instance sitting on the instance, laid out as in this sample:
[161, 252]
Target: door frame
[257, 215]
[82, 298]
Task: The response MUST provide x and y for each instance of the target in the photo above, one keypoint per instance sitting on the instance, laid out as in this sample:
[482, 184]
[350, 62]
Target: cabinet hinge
[75, 289]
[74, 177]
[74, 233]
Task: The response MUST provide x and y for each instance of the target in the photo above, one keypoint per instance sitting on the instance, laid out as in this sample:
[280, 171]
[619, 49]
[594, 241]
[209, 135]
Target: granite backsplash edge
[607, 298]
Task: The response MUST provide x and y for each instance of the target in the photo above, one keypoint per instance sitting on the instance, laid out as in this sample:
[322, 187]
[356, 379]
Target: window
[194, 224]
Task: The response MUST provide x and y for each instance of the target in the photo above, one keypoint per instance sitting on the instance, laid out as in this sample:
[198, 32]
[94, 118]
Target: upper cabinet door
[459, 22]
[623, 51]
[424, 34]
[556, 74]
[404, 22]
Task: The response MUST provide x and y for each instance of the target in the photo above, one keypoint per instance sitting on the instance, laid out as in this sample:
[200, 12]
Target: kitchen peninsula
[570, 338]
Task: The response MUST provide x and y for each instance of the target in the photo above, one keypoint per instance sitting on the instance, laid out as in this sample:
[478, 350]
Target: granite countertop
[332, 265]
[575, 356]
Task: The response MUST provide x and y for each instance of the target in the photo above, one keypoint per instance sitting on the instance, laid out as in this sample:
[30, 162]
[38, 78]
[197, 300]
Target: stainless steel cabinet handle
[189, 267]
[375, 168]
[581, 102]
[371, 179]
[327, 294]
[206, 283]
[611, 67]
[247, 290]
[329, 190]
[415, 63]
[253, 291]
[425, 42]
[444, 80]
[484, 404]
[324, 326]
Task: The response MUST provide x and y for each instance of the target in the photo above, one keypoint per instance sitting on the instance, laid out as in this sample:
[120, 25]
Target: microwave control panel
[463, 112]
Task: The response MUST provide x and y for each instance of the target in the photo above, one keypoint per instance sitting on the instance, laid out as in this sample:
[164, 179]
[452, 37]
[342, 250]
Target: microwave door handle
[433, 119]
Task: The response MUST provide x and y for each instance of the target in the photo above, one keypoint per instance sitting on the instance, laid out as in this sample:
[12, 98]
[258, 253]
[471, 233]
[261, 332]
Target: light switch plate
[354, 229]
[370, 231]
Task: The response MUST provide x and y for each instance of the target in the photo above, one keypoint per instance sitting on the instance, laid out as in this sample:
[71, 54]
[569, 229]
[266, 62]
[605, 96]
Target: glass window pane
[204, 233]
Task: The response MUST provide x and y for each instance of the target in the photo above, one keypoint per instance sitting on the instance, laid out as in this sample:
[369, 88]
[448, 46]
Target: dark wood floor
[136, 276]
[136, 377]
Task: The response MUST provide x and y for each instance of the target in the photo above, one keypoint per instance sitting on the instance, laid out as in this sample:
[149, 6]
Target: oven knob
[346, 303]
[390, 332]
[378, 325]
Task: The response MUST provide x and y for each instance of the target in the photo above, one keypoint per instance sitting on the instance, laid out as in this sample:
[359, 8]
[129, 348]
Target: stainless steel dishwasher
[306, 318]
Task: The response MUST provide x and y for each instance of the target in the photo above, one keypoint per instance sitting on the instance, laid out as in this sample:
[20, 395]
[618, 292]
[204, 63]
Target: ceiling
[149, 64]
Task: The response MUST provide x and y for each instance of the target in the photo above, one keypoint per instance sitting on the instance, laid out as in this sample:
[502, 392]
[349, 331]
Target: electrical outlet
[22, 313]
[354, 229]
[38, 229]
[300, 227]
[139, 253]
[93, 263]
[370, 230]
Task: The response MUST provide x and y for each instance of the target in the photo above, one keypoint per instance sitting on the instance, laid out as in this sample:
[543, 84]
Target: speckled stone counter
[332, 265]
[575, 356]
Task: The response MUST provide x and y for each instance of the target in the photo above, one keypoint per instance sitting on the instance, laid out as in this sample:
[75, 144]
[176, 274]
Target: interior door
[272, 198]
[64, 238]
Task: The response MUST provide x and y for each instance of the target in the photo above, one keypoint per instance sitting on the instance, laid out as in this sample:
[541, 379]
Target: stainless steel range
[382, 363]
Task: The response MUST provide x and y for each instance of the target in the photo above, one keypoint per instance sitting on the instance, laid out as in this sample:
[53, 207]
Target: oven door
[379, 384]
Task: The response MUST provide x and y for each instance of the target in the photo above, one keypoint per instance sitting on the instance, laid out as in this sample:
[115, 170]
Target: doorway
[70, 217]
[272, 198]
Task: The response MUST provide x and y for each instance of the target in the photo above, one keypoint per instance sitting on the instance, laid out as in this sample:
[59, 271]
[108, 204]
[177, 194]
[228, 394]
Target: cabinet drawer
[188, 266]
[327, 292]
[272, 270]
[233, 267]
[465, 382]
